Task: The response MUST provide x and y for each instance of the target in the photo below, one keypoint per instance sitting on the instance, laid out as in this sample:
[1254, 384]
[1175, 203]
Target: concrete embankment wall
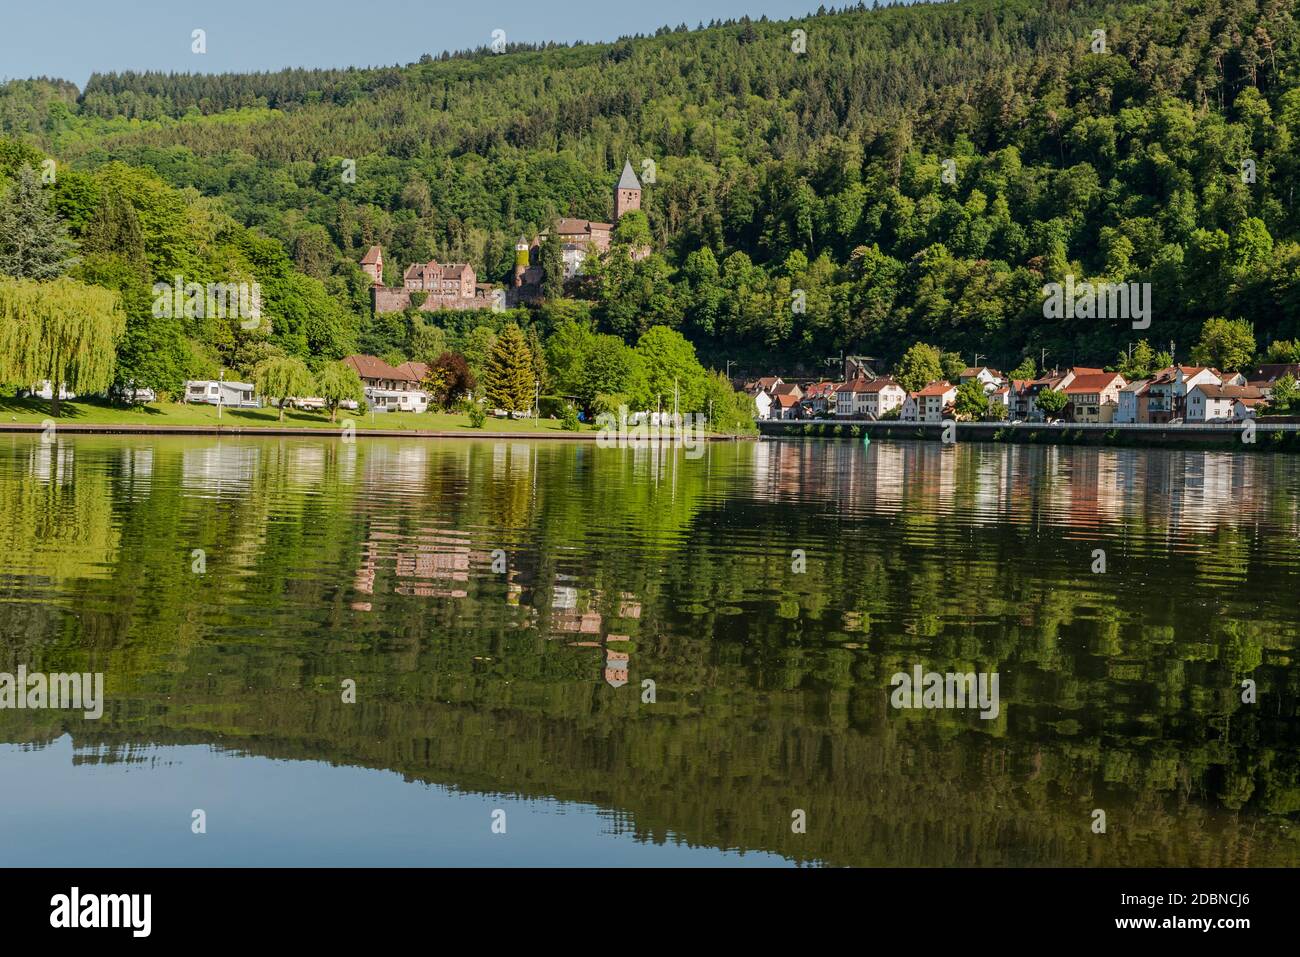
[1267, 436]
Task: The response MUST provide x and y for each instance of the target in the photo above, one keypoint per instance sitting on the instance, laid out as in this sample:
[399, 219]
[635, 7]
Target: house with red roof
[863, 398]
[1094, 396]
[819, 399]
[785, 406]
[391, 388]
[929, 404]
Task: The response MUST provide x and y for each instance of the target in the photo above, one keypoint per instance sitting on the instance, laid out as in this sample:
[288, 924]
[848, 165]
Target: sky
[81, 37]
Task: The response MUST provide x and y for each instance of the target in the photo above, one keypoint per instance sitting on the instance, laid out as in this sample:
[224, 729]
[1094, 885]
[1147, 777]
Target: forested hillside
[775, 171]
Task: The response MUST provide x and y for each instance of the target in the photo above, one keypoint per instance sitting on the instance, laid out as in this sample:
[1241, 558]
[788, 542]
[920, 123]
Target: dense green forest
[1117, 157]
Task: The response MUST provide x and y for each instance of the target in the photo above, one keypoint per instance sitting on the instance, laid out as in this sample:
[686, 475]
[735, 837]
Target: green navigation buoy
[866, 439]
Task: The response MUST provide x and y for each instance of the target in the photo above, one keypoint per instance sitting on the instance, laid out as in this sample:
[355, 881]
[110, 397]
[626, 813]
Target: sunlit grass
[92, 412]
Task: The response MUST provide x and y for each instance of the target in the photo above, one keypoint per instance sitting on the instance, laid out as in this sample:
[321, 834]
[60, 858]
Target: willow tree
[339, 383]
[62, 331]
[281, 378]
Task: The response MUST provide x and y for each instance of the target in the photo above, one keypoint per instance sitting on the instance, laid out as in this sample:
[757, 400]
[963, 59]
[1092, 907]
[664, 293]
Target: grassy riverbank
[163, 415]
[91, 412]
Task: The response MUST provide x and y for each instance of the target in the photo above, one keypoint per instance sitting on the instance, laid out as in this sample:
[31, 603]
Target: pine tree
[34, 244]
[509, 374]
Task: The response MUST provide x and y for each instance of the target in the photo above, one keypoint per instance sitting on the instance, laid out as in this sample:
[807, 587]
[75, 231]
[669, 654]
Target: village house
[1132, 406]
[391, 388]
[788, 388]
[1265, 375]
[929, 404]
[989, 379]
[1248, 408]
[909, 411]
[880, 396]
[850, 398]
[762, 390]
[785, 406]
[819, 399]
[1056, 380]
[1207, 402]
[1018, 399]
[1094, 396]
[1160, 396]
[1167, 393]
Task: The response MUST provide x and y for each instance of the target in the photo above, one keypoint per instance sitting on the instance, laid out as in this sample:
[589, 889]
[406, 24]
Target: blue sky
[80, 37]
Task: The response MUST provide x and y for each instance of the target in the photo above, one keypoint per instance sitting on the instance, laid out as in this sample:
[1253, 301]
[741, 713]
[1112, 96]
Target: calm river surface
[500, 606]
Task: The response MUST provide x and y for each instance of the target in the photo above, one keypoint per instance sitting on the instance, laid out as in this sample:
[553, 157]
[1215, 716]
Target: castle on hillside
[577, 238]
[434, 285]
[442, 285]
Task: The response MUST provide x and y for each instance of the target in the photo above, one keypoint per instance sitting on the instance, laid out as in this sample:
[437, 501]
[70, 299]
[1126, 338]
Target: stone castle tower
[521, 260]
[372, 264]
[627, 194]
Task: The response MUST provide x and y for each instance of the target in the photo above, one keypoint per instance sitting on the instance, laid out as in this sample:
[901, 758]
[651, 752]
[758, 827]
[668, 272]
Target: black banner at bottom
[333, 906]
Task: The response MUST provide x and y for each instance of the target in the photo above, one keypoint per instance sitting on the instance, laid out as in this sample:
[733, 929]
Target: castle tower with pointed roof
[627, 194]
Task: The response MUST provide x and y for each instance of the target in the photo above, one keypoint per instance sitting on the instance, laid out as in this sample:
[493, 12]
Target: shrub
[476, 414]
[553, 406]
[569, 419]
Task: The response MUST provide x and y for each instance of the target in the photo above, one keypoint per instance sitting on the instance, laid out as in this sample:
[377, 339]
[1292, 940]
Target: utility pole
[978, 357]
[1042, 369]
[221, 388]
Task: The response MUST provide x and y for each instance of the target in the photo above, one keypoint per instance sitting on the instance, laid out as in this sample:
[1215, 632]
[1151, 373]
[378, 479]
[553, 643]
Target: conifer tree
[509, 375]
[34, 243]
[552, 266]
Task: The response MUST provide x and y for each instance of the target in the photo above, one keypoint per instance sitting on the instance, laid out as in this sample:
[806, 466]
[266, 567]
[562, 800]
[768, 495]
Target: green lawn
[92, 412]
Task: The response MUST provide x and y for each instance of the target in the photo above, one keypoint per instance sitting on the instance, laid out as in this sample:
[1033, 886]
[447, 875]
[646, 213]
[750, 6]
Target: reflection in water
[499, 605]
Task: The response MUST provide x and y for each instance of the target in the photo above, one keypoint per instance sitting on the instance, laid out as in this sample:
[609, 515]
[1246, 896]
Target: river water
[404, 651]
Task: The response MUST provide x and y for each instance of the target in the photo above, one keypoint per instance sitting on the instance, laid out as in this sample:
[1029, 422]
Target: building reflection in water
[1075, 488]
